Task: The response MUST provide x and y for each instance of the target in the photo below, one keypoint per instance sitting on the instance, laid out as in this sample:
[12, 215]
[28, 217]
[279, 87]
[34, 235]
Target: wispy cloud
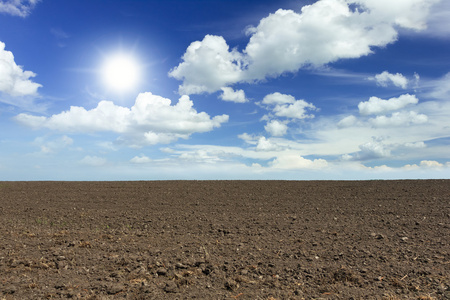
[20, 8]
[94, 161]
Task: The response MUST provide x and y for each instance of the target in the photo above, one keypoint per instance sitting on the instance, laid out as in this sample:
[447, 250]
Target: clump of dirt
[225, 240]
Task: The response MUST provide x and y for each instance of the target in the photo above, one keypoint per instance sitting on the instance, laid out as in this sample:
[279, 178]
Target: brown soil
[225, 240]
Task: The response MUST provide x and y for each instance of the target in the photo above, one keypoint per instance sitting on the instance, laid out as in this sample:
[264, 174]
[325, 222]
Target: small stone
[180, 266]
[378, 236]
[231, 285]
[171, 287]
[9, 290]
[114, 288]
[207, 269]
[161, 271]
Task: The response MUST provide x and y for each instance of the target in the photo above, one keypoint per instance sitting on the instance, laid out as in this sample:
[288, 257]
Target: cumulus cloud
[151, 120]
[287, 106]
[430, 164]
[399, 119]
[266, 145]
[377, 106]
[386, 78]
[296, 110]
[233, 96]
[379, 149]
[21, 8]
[207, 66]
[285, 41]
[141, 160]
[276, 128]
[370, 150]
[14, 81]
[426, 164]
[292, 161]
[278, 99]
[323, 32]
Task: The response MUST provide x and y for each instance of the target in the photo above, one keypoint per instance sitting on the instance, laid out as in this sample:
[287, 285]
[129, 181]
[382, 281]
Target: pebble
[231, 285]
[161, 271]
[171, 287]
[114, 288]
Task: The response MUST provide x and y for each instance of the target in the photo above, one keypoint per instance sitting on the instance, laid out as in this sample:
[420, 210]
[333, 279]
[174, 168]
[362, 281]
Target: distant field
[225, 240]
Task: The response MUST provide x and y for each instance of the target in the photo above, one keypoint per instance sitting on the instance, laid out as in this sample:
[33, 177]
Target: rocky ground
[225, 240]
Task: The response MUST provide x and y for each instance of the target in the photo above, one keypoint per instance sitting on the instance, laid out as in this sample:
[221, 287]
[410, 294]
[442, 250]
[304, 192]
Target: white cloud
[347, 122]
[416, 145]
[93, 161]
[285, 41]
[234, 96]
[201, 156]
[296, 110]
[426, 164]
[376, 106]
[54, 145]
[439, 21]
[21, 8]
[14, 81]
[59, 33]
[323, 32]
[246, 137]
[276, 128]
[374, 149]
[410, 14]
[141, 160]
[276, 156]
[385, 78]
[370, 150]
[278, 99]
[291, 161]
[286, 106]
[207, 66]
[266, 145]
[430, 164]
[60, 36]
[440, 88]
[399, 119]
[151, 120]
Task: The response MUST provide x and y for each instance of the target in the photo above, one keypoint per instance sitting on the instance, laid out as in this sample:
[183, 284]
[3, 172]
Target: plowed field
[225, 240]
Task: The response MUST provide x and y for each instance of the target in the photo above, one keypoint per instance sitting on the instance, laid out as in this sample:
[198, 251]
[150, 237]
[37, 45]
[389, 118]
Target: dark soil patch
[225, 240]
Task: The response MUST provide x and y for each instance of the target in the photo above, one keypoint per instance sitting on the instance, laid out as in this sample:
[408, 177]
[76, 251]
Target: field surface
[225, 240]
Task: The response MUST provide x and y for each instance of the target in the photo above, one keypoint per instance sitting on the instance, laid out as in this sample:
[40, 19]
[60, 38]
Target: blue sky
[224, 89]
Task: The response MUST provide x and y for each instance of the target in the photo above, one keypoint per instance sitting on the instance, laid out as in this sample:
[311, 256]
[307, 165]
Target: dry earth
[225, 240]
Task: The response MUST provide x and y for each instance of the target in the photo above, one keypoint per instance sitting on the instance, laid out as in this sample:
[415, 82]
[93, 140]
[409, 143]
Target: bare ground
[225, 240]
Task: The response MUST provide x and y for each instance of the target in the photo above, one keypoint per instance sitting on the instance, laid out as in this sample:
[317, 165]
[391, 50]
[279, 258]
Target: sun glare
[120, 72]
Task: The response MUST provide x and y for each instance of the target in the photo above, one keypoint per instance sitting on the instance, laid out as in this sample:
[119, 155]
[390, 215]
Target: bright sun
[120, 72]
